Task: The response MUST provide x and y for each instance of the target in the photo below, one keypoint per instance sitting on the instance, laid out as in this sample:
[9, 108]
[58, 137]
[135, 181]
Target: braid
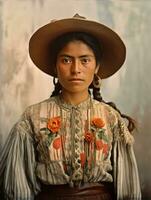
[131, 122]
[97, 95]
[57, 89]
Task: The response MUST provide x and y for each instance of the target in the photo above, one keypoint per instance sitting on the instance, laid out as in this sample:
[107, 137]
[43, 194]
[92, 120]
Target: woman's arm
[17, 164]
[126, 178]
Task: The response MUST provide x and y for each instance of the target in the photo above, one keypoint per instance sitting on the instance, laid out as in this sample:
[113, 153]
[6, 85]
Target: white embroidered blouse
[58, 143]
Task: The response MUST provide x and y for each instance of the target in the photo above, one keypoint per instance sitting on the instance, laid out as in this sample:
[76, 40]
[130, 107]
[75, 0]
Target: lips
[76, 79]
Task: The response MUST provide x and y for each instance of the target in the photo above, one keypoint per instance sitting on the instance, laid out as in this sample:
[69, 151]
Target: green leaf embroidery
[102, 135]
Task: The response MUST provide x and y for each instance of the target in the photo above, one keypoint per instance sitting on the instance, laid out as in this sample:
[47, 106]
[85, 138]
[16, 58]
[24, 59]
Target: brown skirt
[89, 191]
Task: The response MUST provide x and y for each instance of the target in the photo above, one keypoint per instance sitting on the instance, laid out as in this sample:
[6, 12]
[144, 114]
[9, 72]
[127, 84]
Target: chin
[77, 90]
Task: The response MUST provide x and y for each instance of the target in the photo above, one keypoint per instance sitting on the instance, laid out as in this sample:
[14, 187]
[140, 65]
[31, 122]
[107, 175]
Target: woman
[72, 145]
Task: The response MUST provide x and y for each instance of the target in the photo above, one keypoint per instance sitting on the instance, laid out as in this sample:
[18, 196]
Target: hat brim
[113, 49]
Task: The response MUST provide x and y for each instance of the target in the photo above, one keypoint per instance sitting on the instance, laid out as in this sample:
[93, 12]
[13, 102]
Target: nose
[75, 68]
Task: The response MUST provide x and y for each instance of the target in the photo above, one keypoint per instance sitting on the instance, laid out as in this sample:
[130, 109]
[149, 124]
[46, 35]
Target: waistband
[88, 190]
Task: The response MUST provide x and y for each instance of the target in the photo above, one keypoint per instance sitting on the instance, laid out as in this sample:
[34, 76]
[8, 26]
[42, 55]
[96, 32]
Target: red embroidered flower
[105, 149]
[98, 122]
[54, 124]
[57, 143]
[83, 158]
[89, 137]
[99, 144]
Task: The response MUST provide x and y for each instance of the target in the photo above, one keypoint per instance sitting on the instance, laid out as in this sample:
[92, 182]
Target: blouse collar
[83, 105]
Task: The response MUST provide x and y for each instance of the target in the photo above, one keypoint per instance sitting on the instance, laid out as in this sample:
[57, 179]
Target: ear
[97, 69]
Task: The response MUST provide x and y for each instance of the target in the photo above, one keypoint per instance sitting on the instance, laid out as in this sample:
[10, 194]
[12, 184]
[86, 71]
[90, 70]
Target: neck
[75, 98]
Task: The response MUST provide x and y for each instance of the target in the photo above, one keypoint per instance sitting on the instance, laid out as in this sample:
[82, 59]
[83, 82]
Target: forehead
[76, 48]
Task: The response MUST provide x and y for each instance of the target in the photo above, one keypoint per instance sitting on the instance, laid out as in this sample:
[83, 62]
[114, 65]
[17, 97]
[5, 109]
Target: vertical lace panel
[77, 135]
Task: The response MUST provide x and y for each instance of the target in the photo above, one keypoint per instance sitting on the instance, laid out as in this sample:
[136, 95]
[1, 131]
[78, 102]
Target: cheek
[90, 78]
[62, 73]
[60, 69]
[91, 73]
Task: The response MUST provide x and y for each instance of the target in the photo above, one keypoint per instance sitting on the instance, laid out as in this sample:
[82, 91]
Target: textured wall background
[22, 84]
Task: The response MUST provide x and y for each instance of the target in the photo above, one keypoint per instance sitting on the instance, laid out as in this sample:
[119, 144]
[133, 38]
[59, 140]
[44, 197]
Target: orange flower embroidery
[57, 143]
[98, 122]
[89, 137]
[99, 144]
[83, 158]
[54, 124]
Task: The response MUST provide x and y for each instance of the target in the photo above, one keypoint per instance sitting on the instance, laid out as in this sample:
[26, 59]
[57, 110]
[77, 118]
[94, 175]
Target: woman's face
[76, 66]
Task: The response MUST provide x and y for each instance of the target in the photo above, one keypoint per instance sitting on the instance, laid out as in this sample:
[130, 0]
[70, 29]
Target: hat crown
[78, 16]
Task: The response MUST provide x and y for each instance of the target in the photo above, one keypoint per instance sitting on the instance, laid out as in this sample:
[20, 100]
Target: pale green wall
[22, 84]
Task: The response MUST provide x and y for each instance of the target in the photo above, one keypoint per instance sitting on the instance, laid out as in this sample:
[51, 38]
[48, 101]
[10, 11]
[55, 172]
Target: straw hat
[113, 49]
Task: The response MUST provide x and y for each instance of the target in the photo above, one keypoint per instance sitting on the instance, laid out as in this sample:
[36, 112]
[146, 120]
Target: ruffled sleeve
[126, 179]
[17, 164]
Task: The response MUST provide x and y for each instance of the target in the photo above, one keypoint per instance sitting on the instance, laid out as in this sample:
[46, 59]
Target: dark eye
[66, 60]
[85, 60]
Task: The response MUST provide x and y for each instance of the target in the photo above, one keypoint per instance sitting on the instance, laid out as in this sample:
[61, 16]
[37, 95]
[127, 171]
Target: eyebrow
[67, 55]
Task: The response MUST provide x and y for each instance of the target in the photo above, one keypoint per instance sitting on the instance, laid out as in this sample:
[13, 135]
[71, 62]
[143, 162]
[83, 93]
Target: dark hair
[92, 42]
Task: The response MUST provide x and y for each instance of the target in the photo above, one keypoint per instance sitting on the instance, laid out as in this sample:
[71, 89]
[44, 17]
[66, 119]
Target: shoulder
[111, 115]
[31, 115]
[115, 121]
[38, 107]
[106, 108]
[45, 102]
